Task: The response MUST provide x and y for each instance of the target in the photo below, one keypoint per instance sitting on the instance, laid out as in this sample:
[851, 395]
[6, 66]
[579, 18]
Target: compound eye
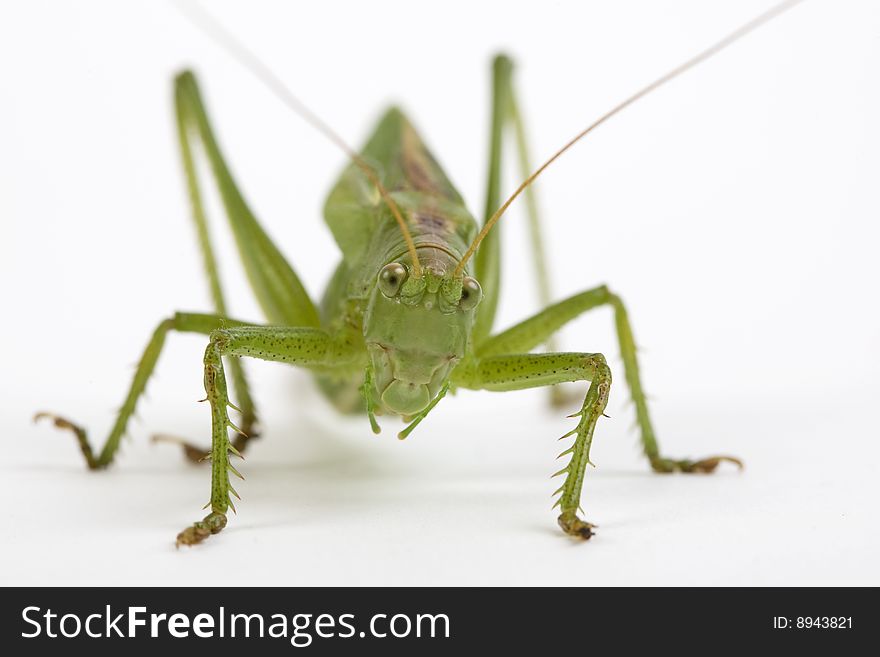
[391, 278]
[471, 293]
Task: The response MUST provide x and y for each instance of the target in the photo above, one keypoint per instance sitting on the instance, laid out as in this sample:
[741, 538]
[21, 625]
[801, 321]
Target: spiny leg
[181, 322]
[534, 331]
[519, 371]
[650, 447]
[306, 347]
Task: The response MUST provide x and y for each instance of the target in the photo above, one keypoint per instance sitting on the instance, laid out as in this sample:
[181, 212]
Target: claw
[60, 422]
[574, 526]
[703, 466]
[197, 532]
[709, 465]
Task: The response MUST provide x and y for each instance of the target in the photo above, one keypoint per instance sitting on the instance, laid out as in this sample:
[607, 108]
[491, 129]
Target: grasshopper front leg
[519, 371]
[307, 347]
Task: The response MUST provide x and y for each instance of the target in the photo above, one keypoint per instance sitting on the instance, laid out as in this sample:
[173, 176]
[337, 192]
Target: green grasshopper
[404, 319]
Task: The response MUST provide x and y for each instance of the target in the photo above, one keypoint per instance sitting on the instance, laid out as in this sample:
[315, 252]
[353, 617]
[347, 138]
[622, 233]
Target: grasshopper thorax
[416, 328]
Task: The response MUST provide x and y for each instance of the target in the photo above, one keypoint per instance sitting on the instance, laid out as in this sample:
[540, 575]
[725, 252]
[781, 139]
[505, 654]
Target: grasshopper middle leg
[181, 322]
[534, 331]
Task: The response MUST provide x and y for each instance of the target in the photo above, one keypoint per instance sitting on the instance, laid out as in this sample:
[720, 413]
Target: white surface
[735, 210]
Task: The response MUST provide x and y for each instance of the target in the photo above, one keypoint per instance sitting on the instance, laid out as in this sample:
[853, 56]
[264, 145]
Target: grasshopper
[408, 314]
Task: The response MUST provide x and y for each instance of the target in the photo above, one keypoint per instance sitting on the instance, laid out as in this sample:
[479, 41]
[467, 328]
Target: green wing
[403, 163]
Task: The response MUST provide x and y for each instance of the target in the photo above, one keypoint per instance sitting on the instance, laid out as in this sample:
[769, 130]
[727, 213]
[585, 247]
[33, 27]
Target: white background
[735, 210]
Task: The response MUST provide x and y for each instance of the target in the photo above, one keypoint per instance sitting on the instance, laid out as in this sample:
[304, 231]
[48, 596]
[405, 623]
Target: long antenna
[644, 91]
[260, 70]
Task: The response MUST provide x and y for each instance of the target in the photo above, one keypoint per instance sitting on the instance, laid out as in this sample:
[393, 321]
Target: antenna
[736, 35]
[261, 71]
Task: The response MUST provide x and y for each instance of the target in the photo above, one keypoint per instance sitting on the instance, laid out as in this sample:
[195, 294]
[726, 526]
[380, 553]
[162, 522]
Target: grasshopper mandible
[408, 314]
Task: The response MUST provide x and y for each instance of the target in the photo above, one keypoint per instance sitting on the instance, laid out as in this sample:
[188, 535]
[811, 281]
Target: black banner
[435, 621]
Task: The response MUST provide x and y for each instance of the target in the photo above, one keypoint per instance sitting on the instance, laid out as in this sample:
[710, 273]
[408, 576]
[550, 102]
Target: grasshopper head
[416, 329]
